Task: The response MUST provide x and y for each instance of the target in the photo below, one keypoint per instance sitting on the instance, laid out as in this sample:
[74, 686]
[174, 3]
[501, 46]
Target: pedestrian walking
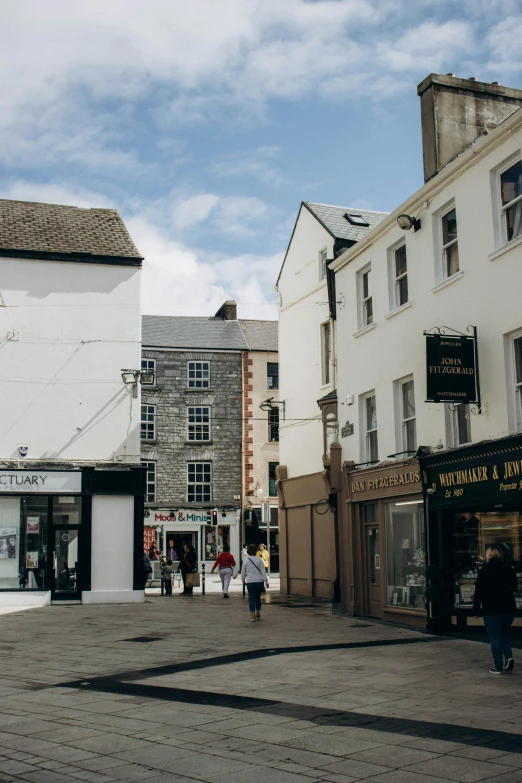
[147, 569]
[166, 572]
[187, 565]
[225, 562]
[244, 554]
[495, 600]
[253, 574]
[264, 554]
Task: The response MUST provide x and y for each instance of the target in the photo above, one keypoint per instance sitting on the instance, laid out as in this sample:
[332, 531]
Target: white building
[71, 488]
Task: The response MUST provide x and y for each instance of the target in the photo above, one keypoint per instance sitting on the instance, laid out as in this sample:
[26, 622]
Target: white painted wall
[66, 331]
[112, 532]
[487, 295]
[264, 451]
[304, 306]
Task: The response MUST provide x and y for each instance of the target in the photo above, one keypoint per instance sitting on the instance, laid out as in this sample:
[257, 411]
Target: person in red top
[225, 562]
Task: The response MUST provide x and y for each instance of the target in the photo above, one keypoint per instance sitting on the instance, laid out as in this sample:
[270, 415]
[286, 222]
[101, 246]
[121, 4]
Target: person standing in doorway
[171, 552]
[253, 574]
[495, 590]
[225, 562]
[264, 554]
[187, 565]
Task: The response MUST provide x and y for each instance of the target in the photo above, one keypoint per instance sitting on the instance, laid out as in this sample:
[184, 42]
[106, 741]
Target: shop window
[326, 353]
[273, 425]
[215, 538]
[272, 478]
[198, 423]
[365, 304]
[450, 244]
[150, 486]
[148, 422]
[199, 486]
[408, 420]
[198, 375]
[23, 542]
[458, 424]
[148, 372]
[405, 554]
[323, 257]
[370, 426]
[511, 197]
[470, 535]
[272, 375]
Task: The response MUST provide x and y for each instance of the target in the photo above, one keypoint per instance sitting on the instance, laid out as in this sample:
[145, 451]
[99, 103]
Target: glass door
[373, 560]
[65, 536]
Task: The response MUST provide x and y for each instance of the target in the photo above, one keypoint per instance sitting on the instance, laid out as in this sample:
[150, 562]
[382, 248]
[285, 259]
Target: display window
[470, 534]
[405, 554]
[215, 538]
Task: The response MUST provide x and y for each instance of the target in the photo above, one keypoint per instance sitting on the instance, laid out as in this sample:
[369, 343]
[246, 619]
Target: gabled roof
[194, 332]
[334, 220]
[260, 335]
[33, 230]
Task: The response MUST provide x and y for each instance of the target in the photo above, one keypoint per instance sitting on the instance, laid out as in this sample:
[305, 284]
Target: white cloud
[55, 193]
[257, 164]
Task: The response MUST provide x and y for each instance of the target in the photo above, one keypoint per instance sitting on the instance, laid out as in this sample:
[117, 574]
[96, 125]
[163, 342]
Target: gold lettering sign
[395, 480]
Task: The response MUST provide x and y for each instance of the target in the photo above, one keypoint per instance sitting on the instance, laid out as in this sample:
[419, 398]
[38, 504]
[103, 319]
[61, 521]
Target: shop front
[59, 530]
[386, 552]
[172, 529]
[474, 500]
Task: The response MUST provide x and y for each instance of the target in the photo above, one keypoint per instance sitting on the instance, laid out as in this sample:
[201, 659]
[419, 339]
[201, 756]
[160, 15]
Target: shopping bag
[192, 580]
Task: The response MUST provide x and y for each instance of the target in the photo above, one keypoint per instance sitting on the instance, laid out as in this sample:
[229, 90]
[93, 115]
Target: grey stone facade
[171, 451]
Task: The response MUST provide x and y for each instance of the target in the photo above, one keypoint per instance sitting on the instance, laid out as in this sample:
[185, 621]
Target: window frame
[362, 304]
[505, 207]
[326, 359]
[273, 426]
[149, 370]
[452, 424]
[191, 382]
[452, 243]
[368, 432]
[323, 258]
[397, 278]
[268, 375]
[154, 411]
[147, 463]
[272, 482]
[406, 420]
[199, 424]
[206, 464]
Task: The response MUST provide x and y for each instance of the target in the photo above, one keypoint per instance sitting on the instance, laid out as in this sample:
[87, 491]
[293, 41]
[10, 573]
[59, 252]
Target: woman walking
[264, 554]
[253, 574]
[495, 600]
[225, 562]
[187, 565]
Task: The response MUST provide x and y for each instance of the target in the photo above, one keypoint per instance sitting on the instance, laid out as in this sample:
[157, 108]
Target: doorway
[373, 560]
[176, 541]
[64, 564]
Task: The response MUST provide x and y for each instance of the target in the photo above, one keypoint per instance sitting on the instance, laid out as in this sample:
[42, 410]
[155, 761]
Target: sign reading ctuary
[44, 482]
[451, 369]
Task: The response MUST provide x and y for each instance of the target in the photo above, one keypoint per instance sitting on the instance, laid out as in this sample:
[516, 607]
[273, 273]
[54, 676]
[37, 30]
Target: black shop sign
[451, 369]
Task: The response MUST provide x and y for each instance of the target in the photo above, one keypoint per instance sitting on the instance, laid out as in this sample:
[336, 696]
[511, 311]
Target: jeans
[255, 590]
[497, 626]
[167, 581]
[226, 576]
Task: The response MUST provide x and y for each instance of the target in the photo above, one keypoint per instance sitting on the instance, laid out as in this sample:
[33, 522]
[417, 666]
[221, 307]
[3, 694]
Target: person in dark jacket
[187, 565]
[495, 600]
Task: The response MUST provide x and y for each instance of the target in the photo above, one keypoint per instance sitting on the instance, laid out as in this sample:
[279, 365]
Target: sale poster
[33, 524]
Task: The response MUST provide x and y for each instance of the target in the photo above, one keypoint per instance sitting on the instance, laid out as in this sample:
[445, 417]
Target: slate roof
[260, 335]
[332, 217]
[34, 229]
[193, 332]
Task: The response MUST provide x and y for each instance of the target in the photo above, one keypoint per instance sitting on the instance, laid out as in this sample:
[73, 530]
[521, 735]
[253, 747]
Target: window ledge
[505, 248]
[365, 329]
[203, 390]
[150, 442]
[199, 442]
[448, 281]
[398, 310]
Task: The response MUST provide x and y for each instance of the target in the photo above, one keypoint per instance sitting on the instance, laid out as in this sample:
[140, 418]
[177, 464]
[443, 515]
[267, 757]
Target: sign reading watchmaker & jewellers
[43, 482]
[451, 369]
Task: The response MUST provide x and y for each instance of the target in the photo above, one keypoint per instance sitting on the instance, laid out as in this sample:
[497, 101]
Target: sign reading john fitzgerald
[450, 369]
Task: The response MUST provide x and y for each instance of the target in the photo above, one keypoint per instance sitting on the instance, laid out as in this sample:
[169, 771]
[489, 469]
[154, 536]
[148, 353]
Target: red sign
[149, 537]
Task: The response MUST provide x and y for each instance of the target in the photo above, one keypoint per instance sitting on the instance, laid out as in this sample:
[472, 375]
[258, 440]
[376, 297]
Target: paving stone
[459, 769]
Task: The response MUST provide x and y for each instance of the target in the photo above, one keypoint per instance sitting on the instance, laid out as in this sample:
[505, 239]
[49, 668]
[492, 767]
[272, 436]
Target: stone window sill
[365, 329]
[202, 390]
[449, 280]
[505, 248]
[199, 442]
[398, 310]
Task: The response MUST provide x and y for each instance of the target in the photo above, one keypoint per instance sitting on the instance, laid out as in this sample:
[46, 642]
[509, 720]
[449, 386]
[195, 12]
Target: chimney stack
[227, 311]
[455, 112]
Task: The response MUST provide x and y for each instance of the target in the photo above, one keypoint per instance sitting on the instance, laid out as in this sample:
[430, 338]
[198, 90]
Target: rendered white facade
[485, 293]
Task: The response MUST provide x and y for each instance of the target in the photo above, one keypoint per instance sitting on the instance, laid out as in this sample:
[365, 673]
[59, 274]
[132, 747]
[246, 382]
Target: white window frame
[452, 428]
[151, 410]
[323, 258]
[439, 247]
[273, 413]
[504, 207]
[518, 386]
[148, 366]
[152, 467]
[272, 388]
[451, 243]
[404, 420]
[326, 361]
[393, 288]
[191, 382]
[362, 305]
[365, 432]
[499, 223]
[199, 428]
[514, 389]
[199, 483]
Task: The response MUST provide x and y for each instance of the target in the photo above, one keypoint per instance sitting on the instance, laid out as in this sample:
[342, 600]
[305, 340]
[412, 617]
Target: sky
[207, 122]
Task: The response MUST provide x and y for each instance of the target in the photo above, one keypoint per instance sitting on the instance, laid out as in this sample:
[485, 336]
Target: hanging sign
[451, 369]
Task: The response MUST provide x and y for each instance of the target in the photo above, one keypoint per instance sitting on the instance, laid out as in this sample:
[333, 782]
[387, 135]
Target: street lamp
[131, 377]
[270, 404]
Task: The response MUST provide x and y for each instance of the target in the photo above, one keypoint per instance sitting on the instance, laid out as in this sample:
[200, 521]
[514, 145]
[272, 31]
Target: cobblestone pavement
[187, 689]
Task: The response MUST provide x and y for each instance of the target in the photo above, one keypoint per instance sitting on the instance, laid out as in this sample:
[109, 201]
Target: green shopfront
[474, 499]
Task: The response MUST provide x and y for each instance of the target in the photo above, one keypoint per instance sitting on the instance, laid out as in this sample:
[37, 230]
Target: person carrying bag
[188, 568]
[253, 574]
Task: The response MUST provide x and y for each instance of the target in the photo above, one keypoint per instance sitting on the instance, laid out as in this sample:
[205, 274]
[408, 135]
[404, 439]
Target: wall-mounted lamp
[407, 222]
[131, 377]
[271, 404]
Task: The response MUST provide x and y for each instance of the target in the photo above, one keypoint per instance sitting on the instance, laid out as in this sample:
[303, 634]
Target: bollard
[162, 585]
[202, 578]
[244, 590]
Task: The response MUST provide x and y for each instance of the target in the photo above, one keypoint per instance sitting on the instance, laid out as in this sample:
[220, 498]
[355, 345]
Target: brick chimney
[455, 112]
[227, 311]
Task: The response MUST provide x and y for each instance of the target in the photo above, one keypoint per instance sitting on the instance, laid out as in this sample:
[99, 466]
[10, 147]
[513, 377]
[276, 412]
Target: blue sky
[206, 122]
